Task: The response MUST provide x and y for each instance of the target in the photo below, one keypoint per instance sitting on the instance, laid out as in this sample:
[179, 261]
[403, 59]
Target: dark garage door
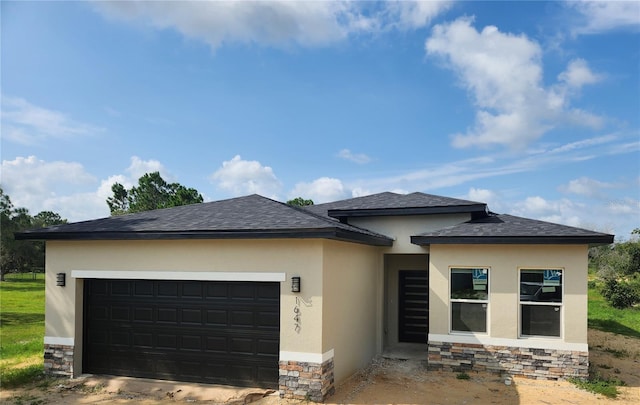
[201, 331]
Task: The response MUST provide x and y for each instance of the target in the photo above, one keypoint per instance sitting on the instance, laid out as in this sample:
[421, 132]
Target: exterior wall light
[295, 284]
[61, 279]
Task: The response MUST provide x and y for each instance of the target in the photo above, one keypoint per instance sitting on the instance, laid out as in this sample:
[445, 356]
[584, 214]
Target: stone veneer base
[306, 381]
[58, 360]
[548, 364]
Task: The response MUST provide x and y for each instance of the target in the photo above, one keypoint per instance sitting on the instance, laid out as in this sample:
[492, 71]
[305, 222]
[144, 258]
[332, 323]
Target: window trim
[469, 301]
[538, 303]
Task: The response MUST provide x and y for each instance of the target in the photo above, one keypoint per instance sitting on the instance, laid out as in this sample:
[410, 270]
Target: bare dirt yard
[384, 382]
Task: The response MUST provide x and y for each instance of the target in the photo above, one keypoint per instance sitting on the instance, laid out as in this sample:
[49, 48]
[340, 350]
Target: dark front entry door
[413, 303]
[201, 331]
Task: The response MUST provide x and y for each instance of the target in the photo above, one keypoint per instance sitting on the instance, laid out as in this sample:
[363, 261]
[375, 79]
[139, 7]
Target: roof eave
[594, 240]
[378, 212]
[326, 233]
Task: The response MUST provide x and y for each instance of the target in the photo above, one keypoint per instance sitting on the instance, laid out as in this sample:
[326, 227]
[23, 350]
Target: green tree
[21, 255]
[152, 192]
[300, 202]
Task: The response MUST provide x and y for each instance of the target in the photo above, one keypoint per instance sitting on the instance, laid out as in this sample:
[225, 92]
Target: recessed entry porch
[406, 306]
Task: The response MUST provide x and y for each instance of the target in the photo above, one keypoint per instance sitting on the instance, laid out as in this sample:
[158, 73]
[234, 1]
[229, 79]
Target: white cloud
[32, 176]
[39, 185]
[601, 16]
[26, 123]
[578, 74]
[273, 23]
[320, 190]
[563, 211]
[617, 216]
[240, 177]
[625, 206]
[489, 197]
[139, 168]
[408, 15]
[66, 187]
[503, 73]
[359, 158]
[585, 186]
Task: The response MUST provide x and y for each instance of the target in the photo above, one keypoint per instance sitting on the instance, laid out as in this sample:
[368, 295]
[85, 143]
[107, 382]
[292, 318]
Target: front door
[413, 306]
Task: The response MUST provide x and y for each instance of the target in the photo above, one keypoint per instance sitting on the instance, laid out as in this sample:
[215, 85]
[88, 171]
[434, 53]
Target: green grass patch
[17, 376]
[463, 376]
[604, 317]
[598, 384]
[21, 328]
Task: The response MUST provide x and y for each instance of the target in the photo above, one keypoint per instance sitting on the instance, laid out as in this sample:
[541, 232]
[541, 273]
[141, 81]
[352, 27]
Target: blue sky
[531, 107]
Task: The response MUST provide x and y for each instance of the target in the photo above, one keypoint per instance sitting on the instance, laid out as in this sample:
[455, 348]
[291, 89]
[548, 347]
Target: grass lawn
[606, 318]
[21, 328]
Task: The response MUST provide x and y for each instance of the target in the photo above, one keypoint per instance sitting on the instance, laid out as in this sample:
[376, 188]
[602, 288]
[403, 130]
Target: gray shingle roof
[396, 204]
[243, 217]
[509, 229]
[255, 216]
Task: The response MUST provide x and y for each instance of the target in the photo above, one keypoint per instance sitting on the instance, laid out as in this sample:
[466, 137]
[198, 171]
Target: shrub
[620, 294]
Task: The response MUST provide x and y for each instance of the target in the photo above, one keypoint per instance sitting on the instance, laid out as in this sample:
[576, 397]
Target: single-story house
[251, 291]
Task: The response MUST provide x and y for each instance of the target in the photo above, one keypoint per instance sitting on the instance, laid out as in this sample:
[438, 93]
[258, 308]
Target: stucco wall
[504, 262]
[402, 228]
[352, 305]
[63, 318]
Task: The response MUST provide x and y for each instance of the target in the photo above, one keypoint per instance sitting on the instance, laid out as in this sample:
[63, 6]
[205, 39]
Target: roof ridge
[331, 220]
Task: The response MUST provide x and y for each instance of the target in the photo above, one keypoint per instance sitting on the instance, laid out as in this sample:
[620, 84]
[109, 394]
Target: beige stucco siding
[292, 257]
[351, 305]
[403, 227]
[504, 262]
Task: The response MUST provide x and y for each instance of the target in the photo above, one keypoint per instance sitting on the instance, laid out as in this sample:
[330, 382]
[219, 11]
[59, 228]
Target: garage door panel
[269, 292]
[119, 338]
[214, 332]
[122, 288]
[267, 320]
[143, 340]
[242, 346]
[265, 347]
[192, 315]
[143, 314]
[167, 289]
[169, 315]
[143, 288]
[192, 290]
[120, 313]
[217, 317]
[218, 291]
[239, 292]
[242, 319]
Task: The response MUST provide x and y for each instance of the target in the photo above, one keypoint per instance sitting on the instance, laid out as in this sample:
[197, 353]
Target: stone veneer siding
[306, 381]
[58, 360]
[544, 364]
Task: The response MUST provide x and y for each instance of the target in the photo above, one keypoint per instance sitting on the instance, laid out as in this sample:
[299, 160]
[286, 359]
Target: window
[469, 299]
[540, 302]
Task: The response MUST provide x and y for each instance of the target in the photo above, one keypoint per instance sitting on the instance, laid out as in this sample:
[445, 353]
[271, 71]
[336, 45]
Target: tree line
[21, 255]
[618, 269]
[152, 192]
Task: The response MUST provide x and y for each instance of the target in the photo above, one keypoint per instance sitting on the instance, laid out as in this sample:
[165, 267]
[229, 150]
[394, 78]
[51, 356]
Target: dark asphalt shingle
[245, 215]
[388, 202]
[510, 229]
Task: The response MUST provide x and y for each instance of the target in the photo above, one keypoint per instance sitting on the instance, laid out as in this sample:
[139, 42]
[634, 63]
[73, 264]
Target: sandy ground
[384, 382]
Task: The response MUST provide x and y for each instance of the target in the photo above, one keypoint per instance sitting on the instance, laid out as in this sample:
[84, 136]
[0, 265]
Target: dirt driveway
[385, 381]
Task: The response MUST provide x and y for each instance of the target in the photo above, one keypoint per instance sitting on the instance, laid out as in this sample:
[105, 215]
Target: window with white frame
[540, 302]
[469, 298]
